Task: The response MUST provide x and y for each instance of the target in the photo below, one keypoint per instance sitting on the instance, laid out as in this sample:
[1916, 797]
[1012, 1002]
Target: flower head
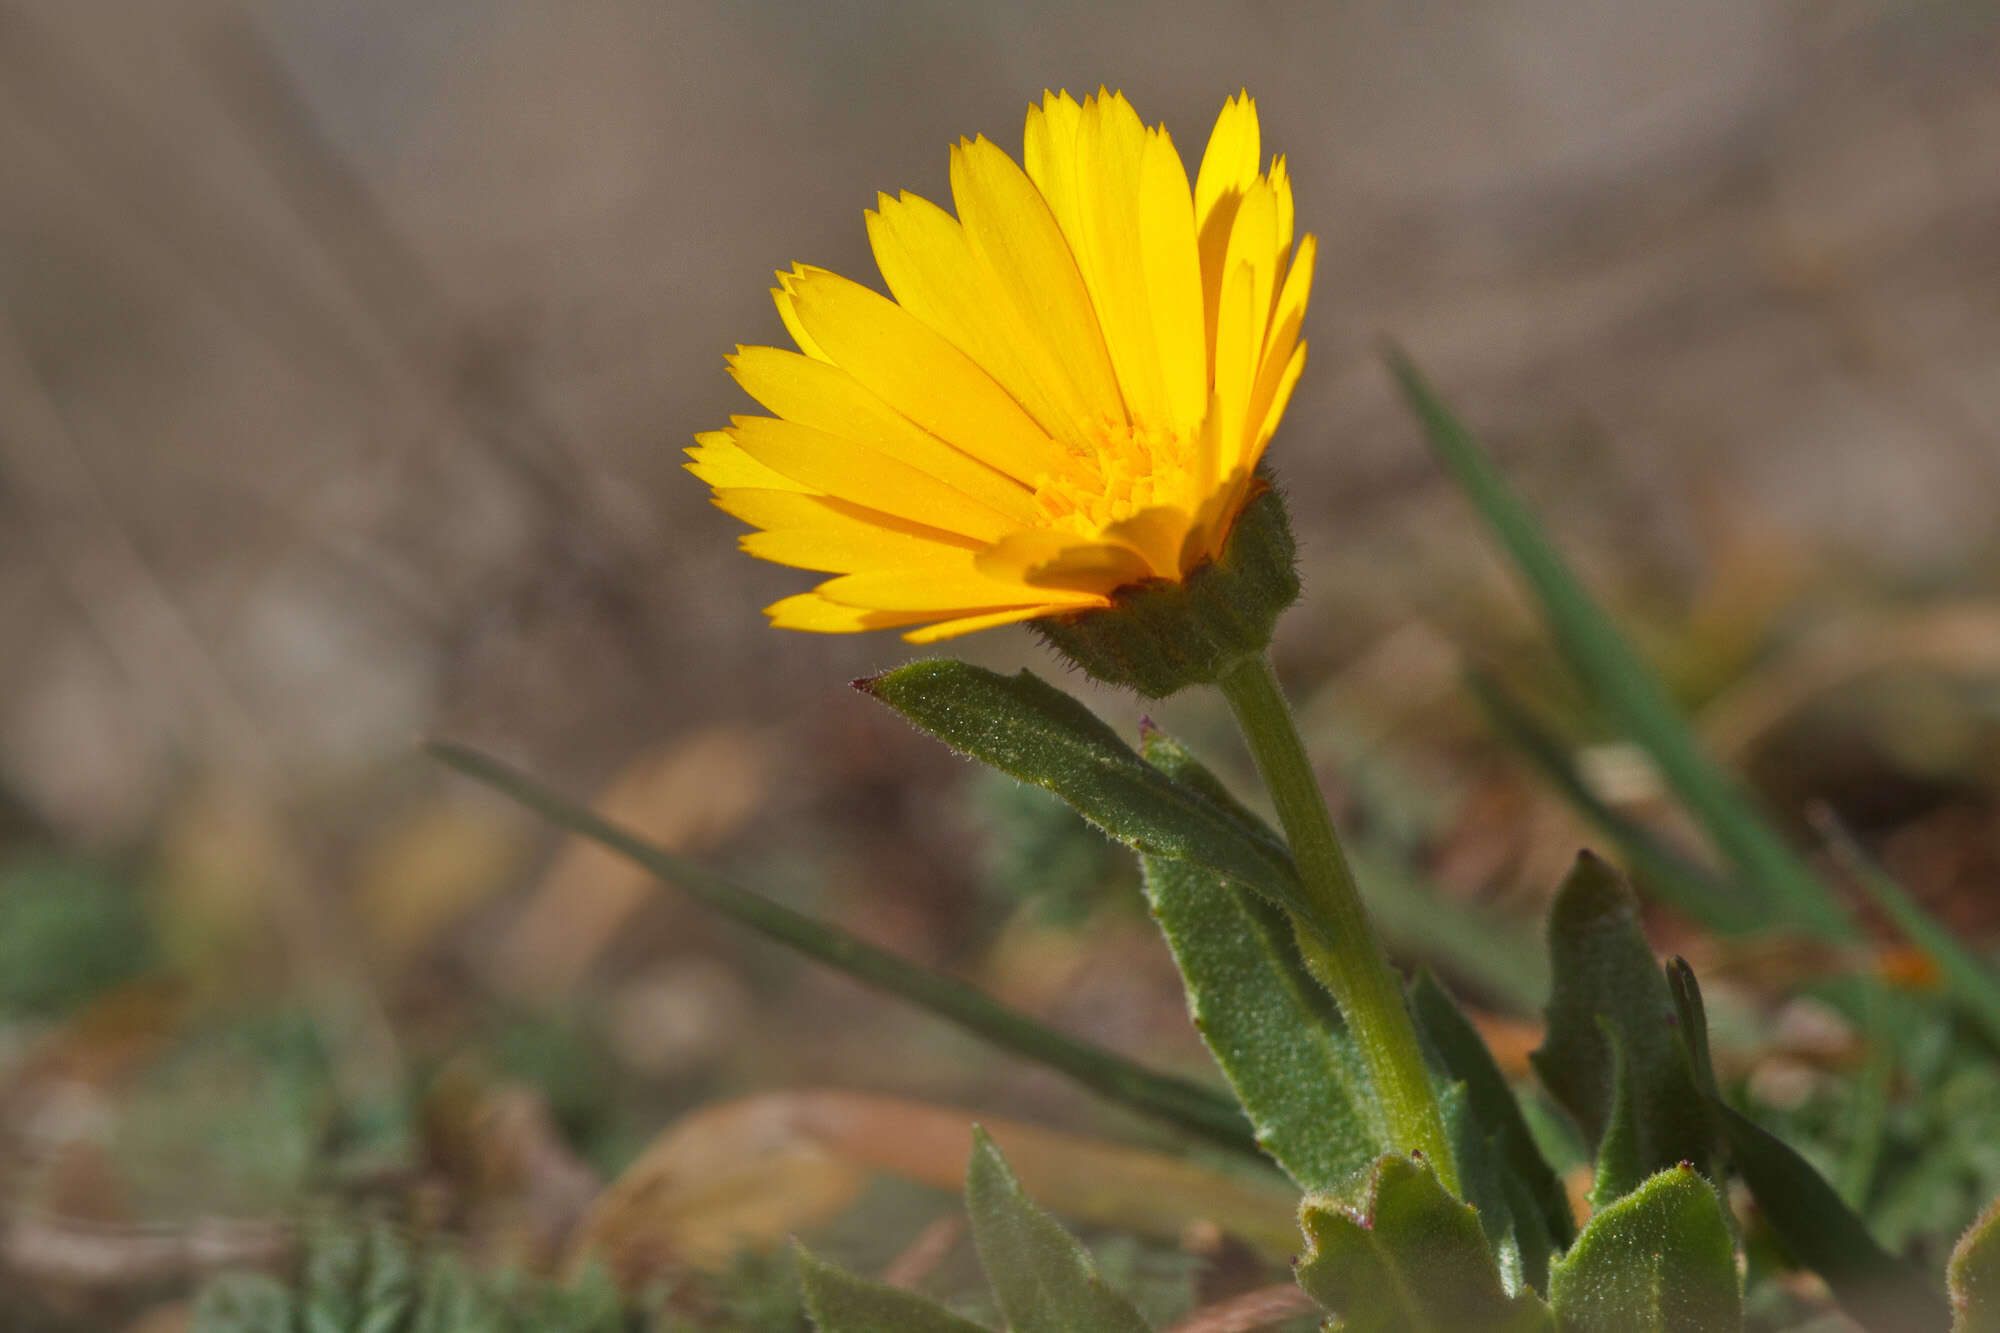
[1066, 398]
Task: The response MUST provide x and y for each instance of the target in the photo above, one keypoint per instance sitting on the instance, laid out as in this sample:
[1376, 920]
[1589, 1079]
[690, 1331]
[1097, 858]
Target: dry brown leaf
[683, 797]
[113, 1035]
[437, 863]
[749, 1172]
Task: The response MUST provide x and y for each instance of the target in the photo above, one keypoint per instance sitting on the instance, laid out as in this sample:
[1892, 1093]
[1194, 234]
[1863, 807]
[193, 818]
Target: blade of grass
[1868, 1113]
[1783, 888]
[1687, 886]
[1975, 985]
[1188, 1105]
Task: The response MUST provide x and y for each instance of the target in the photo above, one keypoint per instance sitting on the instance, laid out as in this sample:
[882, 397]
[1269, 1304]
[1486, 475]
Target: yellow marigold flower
[1067, 396]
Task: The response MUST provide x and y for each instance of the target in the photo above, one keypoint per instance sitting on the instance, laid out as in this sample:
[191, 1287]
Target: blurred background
[347, 351]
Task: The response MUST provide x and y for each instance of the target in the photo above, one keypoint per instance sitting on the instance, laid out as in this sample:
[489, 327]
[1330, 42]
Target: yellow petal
[816, 615]
[956, 587]
[1228, 169]
[1207, 469]
[1280, 359]
[951, 629]
[1172, 263]
[822, 395]
[1048, 151]
[864, 476]
[788, 310]
[1238, 342]
[1160, 533]
[935, 273]
[917, 371]
[819, 532]
[720, 463]
[1281, 394]
[1281, 190]
[1210, 529]
[1012, 227]
[1290, 311]
[1048, 560]
[1253, 244]
[1229, 164]
[1110, 157]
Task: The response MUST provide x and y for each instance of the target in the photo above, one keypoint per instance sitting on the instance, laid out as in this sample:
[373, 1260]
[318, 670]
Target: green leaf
[243, 1303]
[1607, 984]
[1807, 1215]
[840, 1302]
[336, 1262]
[1520, 1246]
[1026, 727]
[1491, 953]
[1043, 1280]
[1202, 1110]
[1271, 1027]
[1779, 885]
[1493, 1105]
[1880, 1291]
[377, 1279]
[1660, 1260]
[69, 931]
[1618, 1170]
[1268, 1025]
[454, 1300]
[1411, 1260]
[1974, 1276]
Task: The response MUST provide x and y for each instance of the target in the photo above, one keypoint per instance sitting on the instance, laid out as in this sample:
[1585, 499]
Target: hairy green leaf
[1271, 1027]
[1608, 986]
[1492, 953]
[1660, 1260]
[840, 1302]
[1619, 1168]
[1043, 1280]
[1283, 1049]
[1974, 1276]
[1026, 727]
[1493, 1105]
[1779, 885]
[1519, 1246]
[1412, 1259]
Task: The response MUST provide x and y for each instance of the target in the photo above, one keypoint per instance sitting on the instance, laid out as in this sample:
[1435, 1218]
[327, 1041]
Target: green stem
[1193, 1107]
[1339, 943]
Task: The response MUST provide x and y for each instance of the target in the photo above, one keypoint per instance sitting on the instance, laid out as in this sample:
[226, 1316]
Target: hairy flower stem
[1339, 943]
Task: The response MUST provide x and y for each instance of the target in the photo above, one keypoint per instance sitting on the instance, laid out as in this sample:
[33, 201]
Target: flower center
[1128, 467]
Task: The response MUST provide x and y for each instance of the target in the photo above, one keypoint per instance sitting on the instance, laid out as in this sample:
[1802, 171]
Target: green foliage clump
[69, 930]
[376, 1279]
